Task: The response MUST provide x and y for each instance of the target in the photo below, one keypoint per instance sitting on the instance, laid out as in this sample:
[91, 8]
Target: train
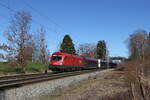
[60, 61]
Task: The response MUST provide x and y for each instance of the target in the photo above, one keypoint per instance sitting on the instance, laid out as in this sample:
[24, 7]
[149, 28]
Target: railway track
[20, 80]
[20, 76]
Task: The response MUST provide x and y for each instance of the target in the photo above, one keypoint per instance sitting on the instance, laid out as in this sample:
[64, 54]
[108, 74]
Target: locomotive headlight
[60, 63]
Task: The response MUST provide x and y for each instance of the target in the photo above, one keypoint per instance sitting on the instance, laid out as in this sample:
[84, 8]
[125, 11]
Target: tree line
[23, 46]
[98, 51]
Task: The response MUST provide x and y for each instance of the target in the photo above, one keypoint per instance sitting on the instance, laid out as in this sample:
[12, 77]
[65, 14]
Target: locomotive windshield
[56, 57]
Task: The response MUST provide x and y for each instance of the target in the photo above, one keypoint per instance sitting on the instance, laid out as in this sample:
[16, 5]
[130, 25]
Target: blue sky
[86, 21]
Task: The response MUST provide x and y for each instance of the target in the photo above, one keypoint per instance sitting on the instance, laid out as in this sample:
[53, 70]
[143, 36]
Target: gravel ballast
[108, 85]
[37, 90]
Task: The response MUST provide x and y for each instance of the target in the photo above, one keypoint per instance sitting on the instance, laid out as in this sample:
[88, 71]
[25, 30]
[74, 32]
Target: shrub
[136, 72]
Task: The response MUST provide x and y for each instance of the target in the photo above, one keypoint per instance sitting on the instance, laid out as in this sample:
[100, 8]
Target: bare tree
[43, 46]
[41, 53]
[147, 51]
[137, 44]
[44, 53]
[18, 37]
[36, 48]
[87, 50]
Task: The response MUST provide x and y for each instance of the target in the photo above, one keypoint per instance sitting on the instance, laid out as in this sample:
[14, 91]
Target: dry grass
[109, 86]
[136, 75]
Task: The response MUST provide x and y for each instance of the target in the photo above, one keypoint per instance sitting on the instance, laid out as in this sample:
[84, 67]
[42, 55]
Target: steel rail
[27, 80]
[21, 76]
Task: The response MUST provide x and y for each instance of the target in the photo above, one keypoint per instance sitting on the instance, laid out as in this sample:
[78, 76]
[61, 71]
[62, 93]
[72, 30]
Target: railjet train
[67, 62]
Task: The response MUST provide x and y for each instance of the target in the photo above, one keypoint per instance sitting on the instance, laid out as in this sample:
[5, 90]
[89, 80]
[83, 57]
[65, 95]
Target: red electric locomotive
[67, 62]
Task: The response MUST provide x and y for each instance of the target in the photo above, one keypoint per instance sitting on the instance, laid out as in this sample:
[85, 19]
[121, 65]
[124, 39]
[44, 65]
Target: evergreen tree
[101, 50]
[67, 45]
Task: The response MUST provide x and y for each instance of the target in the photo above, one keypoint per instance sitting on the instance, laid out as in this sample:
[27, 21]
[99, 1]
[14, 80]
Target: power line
[44, 16]
[14, 11]
[48, 20]
[5, 6]
[38, 12]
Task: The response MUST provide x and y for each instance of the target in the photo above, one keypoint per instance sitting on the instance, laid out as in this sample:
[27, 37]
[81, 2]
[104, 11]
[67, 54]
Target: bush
[136, 72]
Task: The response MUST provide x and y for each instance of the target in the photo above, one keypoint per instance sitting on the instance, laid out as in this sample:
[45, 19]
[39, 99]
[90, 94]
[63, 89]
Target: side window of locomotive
[56, 57]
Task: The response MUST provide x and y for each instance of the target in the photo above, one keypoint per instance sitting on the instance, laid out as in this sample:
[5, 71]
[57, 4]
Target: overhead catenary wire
[50, 20]
[59, 34]
[33, 20]
[14, 11]
[45, 16]
[7, 7]
[41, 14]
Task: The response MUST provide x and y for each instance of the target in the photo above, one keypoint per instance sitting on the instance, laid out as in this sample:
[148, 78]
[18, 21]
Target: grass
[35, 67]
[32, 67]
[6, 69]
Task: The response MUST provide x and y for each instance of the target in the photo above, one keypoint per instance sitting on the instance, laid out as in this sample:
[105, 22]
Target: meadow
[32, 67]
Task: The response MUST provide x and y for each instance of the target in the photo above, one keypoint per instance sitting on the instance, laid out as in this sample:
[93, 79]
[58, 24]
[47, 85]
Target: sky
[86, 21]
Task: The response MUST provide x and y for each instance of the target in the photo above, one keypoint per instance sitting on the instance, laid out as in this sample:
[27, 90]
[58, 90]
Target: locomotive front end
[56, 60]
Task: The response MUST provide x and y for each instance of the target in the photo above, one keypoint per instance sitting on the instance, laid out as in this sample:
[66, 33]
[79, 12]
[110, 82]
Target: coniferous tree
[101, 50]
[67, 45]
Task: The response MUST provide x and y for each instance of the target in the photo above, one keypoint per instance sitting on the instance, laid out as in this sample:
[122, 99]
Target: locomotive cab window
[57, 57]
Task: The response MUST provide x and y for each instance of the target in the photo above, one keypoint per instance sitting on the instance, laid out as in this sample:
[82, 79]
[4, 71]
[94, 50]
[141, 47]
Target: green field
[32, 67]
